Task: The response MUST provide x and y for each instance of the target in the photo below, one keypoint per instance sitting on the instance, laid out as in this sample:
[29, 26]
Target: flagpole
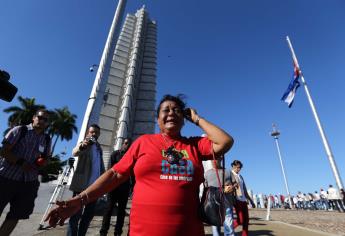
[319, 125]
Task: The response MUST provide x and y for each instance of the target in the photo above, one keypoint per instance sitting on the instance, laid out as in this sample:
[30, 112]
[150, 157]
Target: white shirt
[323, 194]
[333, 193]
[316, 196]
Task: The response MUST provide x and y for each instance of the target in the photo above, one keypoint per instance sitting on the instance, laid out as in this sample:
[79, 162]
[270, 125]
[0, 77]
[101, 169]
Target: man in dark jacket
[119, 195]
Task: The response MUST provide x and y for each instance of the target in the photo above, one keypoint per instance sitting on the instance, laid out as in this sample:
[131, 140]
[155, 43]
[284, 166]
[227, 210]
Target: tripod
[59, 190]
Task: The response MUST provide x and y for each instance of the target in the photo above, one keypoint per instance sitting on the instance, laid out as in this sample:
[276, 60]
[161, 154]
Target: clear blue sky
[229, 57]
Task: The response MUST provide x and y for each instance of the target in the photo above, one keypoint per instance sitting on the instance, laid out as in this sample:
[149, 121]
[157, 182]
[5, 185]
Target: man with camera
[25, 149]
[89, 167]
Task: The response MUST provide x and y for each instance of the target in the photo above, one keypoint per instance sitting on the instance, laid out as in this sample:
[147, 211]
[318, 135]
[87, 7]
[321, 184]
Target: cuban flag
[293, 86]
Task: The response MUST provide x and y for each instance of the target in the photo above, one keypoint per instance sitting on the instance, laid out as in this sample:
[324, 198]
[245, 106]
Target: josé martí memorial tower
[122, 100]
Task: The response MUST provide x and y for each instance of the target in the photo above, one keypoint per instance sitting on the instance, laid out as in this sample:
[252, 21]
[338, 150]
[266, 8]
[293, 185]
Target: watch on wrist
[197, 120]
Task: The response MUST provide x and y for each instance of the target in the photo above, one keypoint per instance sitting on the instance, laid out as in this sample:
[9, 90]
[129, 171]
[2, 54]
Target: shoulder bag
[211, 209]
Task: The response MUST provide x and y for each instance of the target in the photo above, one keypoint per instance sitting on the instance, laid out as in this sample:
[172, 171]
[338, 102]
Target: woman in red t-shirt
[168, 170]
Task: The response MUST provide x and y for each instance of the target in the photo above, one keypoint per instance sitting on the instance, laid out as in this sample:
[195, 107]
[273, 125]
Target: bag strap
[23, 129]
[218, 179]
[221, 211]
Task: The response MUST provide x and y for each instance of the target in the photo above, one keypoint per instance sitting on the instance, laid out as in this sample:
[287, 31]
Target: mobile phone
[187, 113]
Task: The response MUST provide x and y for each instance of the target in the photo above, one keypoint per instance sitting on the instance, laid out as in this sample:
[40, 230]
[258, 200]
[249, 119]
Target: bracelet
[82, 200]
[87, 197]
[197, 120]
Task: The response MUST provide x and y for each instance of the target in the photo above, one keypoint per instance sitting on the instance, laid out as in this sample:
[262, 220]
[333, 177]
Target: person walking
[335, 198]
[118, 196]
[324, 199]
[242, 197]
[89, 167]
[342, 195]
[168, 171]
[25, 149]
[211, 180]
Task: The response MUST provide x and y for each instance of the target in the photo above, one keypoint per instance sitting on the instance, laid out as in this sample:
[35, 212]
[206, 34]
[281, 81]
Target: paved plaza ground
[282, 222]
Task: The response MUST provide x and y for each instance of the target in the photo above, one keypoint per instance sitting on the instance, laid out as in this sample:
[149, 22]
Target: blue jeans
[216, 230]
[80, 221]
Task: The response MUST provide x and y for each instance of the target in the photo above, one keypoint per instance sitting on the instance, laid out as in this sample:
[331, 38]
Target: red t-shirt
[165, 200]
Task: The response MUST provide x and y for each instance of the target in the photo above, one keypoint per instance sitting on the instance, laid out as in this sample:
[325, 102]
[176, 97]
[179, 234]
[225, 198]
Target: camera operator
[7, 90]
[90, 166]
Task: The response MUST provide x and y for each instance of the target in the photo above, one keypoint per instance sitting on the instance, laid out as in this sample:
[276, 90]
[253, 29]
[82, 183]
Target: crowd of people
[331, 200]
[168, 171]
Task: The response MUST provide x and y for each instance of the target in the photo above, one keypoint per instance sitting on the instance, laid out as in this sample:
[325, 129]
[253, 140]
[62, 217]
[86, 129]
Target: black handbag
[212, 209]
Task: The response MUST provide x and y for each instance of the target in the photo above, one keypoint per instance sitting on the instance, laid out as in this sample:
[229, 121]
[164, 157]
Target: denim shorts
[20, 195]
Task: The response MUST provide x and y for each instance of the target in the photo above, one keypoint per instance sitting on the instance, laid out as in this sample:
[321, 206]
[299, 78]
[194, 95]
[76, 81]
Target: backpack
[22, 132]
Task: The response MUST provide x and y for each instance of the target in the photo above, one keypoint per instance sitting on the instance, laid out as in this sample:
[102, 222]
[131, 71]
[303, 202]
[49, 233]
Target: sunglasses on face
[45, 119]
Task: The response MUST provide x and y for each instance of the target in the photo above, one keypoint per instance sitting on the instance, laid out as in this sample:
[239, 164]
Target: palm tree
[22, 115]
[62, 125]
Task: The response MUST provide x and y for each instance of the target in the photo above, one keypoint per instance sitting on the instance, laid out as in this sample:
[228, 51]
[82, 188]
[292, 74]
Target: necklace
[171, 154]
[167, 143]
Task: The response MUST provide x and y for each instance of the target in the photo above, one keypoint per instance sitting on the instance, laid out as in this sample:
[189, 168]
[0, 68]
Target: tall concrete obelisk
[122, 100]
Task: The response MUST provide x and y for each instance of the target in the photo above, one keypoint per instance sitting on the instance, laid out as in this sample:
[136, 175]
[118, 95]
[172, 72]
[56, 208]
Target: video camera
[91, 140]
[7, 90]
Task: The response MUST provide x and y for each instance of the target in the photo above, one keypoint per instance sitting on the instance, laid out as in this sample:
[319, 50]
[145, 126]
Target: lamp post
[275, 134]
[106, 94]
[93, 67]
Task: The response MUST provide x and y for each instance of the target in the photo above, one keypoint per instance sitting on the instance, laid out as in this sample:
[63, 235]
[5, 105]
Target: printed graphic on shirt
[176, 165]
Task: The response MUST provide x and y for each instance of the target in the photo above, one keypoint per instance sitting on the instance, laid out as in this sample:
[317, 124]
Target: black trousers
[120, 197]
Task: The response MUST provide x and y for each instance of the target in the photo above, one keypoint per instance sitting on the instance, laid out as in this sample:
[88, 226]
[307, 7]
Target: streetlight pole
[275, 134]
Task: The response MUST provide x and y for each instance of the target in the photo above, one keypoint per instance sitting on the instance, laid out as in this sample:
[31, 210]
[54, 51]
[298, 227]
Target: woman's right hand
[64, 210]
